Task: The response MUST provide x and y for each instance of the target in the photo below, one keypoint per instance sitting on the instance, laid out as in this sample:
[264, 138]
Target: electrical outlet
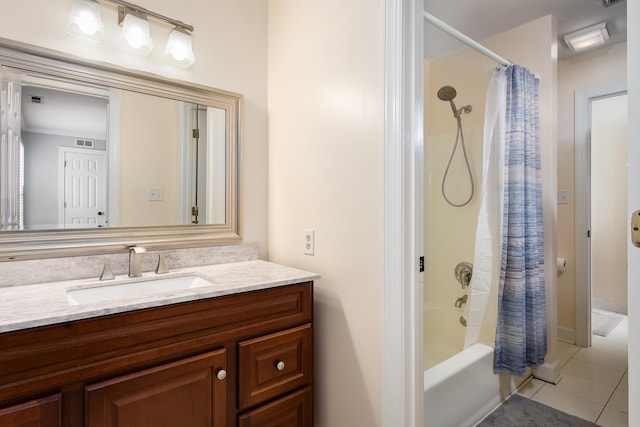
[309, 241]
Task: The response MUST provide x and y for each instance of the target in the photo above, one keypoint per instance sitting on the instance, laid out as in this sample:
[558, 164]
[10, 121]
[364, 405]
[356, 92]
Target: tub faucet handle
[463, 273]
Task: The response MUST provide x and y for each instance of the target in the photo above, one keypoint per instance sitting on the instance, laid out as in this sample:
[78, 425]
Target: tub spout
[460, 301]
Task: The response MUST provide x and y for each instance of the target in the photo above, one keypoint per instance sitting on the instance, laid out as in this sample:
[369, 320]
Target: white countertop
[29, 306]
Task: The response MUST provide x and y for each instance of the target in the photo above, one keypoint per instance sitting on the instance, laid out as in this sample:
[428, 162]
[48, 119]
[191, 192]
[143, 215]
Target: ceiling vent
[85, 143]
[36, 99]
[608, 3]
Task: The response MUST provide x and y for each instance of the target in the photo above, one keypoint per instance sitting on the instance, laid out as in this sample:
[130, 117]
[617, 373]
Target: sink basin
[133, 289]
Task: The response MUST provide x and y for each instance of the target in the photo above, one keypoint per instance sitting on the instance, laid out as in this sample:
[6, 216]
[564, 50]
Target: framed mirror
[94, 158]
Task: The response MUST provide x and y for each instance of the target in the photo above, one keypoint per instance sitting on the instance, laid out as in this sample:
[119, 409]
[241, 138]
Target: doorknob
[100, 213]
[635, 228]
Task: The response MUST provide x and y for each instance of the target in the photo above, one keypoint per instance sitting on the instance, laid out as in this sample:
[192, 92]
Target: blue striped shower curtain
[521, 331]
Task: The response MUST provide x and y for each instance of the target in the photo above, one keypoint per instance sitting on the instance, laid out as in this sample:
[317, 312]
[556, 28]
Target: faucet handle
[107, 273]
[162, 264]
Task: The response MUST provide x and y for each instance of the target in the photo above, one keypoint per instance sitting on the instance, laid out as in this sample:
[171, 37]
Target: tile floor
[594, 383]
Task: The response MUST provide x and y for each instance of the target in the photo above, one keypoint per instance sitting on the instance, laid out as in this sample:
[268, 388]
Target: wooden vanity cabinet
[237, 360]
[43, 412]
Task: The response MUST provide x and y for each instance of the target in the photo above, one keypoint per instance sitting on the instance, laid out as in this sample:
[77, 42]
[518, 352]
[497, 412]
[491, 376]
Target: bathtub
[461, 389]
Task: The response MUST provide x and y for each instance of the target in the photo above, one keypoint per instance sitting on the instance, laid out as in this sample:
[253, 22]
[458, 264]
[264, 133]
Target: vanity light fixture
[585, 38]
[84, 21]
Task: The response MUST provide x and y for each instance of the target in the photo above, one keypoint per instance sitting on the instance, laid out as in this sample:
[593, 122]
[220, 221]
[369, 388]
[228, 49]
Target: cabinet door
[294, 410]
[36, 413]
[187, 393]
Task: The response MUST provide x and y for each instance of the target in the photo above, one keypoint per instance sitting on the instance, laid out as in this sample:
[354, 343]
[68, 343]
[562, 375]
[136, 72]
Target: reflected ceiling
[63, 113]
[481, 19]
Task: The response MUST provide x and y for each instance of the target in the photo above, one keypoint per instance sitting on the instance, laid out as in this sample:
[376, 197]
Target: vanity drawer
[293, 410]
[274, 364]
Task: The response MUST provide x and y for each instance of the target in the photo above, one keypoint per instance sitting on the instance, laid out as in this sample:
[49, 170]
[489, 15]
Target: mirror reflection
[84, 156]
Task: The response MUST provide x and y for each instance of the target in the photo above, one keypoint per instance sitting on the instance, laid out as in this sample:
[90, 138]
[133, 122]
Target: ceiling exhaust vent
[85, 143]
[36, 99]
[608, 3]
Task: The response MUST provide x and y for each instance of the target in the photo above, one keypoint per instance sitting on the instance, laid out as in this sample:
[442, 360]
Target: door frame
[402, 340]
[583, 100]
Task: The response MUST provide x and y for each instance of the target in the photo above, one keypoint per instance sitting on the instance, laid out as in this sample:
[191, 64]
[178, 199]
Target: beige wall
[468, 71]
[582, 72]
[230, 43]
[609, 222]
[326, 84]
[148, 159]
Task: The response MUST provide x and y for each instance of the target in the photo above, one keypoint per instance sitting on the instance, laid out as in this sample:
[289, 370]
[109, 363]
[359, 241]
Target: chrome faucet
[460, 301]
[135, 260]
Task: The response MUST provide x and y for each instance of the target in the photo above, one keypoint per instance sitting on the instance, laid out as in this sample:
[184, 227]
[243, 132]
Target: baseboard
[566, 335]
[616, 307]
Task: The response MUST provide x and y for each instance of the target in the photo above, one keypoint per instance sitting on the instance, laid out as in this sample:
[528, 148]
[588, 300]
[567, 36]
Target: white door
[84, 188]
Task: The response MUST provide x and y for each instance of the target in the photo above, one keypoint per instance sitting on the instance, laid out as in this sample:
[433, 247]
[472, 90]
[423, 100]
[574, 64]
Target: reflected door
[84, 189]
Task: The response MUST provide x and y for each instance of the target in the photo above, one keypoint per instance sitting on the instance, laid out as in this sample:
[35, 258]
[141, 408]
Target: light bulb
[87, 24]
[135, 38]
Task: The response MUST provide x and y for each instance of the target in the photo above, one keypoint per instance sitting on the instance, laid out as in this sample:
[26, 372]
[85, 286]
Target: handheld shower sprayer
[447, 93]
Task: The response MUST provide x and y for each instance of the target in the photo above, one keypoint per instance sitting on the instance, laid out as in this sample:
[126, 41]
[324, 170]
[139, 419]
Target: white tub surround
[29, 306]
[463, 389]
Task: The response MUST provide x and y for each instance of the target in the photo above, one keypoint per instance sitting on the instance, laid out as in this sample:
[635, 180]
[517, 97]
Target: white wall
[148, 159]
[326, 80]
[609, 222]
[230, 43]
[581, 72]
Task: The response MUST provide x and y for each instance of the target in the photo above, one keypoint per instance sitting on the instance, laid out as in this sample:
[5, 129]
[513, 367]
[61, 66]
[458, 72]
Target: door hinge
[65, 205]
[196, 133]
[65, 163]
[421, 264]
[588, 234]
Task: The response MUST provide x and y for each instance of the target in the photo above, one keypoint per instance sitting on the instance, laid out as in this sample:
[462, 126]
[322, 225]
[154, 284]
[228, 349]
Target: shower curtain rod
[465, 39]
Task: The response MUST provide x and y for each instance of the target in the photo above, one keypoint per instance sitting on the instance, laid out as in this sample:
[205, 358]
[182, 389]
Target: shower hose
[459, 139]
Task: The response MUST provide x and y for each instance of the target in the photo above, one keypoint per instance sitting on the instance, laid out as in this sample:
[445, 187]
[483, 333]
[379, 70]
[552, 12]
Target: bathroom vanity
[237, 352]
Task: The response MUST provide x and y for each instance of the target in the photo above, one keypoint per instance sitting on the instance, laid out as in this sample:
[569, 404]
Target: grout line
[617, 385]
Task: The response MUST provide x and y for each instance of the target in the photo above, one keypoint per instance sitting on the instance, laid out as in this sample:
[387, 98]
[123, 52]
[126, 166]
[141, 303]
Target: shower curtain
[509, 245]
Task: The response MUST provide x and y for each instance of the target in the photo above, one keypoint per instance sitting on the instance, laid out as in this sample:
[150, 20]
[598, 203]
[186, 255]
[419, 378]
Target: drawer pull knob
[222, 374]
[280, 365]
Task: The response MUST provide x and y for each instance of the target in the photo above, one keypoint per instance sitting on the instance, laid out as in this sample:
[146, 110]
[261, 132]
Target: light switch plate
[156, 194]
[563, 197]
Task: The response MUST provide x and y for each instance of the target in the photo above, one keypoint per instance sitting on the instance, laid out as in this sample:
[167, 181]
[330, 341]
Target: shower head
[447, 93]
